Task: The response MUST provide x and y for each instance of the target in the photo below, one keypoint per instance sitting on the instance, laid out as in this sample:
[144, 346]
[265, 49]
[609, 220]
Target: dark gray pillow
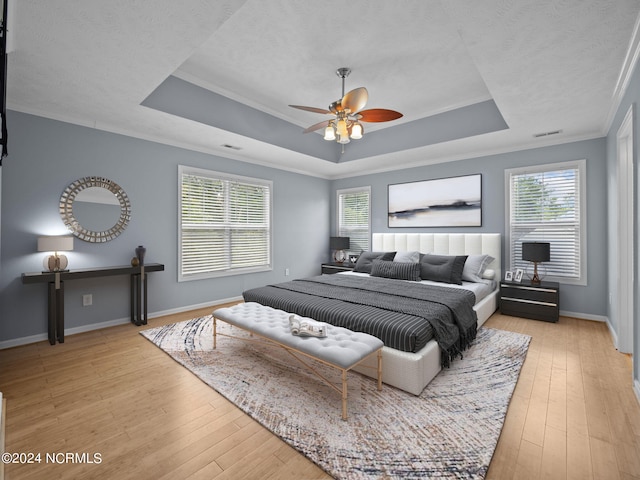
[363, 265]
[442, 268]
[397, 270]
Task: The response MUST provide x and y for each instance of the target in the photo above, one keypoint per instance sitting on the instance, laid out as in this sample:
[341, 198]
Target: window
[354, 220]
[546, 203]
[224, 222]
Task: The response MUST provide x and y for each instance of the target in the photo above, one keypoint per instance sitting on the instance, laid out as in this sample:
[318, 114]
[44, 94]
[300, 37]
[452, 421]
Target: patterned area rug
[449, 431]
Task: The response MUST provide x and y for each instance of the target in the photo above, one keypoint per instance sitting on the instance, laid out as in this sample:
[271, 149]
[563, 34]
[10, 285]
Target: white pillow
[475, 266]
[489, 274]
[407, 257]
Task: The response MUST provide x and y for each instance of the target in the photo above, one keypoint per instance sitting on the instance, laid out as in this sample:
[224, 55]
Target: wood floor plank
[554, 454]
[573, 413]
[578, 456]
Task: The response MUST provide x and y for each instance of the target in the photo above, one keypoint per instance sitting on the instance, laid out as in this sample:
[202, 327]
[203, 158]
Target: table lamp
[339, 245]
[55, 262]
[536, 252]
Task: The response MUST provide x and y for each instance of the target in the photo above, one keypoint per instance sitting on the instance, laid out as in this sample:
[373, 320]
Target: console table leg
[51, 319]
[132, 297]
[55, 327]
[144, 279]
[60, 312]
[139, 300]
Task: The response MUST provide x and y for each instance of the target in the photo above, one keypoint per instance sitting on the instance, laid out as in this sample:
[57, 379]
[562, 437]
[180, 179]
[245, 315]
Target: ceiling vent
[546, 134]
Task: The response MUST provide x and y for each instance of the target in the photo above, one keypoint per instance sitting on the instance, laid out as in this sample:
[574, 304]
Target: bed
[409, 316]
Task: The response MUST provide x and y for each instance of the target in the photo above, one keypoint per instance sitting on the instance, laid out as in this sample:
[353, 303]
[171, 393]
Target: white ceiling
[548, 65]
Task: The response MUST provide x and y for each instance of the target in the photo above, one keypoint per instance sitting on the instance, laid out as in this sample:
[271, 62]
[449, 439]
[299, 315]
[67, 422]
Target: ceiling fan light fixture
[347, 114]
[329, 133]
[356, 131]
[343, 139]
[341, 127]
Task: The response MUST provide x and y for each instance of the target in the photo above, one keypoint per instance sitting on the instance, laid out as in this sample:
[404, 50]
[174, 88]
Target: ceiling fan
[348, 114]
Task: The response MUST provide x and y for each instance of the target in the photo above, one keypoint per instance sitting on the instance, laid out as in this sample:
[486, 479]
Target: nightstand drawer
[525, 292]
[523, 308]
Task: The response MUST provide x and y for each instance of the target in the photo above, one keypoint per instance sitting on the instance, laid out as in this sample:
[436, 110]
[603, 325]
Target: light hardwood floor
[111, 392]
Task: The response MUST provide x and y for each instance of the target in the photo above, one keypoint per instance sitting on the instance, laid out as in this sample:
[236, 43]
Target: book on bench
[306, 327]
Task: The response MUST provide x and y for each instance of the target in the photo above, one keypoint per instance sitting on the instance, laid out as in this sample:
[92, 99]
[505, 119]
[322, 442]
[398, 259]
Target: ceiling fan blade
[311, 109]
[379, 115]
[355, 100]
[317, 126]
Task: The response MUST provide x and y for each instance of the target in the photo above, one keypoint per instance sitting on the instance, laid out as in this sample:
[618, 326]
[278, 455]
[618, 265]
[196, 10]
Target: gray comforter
[404, 315]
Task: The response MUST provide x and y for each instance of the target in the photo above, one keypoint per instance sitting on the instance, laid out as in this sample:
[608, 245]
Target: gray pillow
[442, 268]
[410, 257]
[363, 265]
[475, 266]
[397, 270]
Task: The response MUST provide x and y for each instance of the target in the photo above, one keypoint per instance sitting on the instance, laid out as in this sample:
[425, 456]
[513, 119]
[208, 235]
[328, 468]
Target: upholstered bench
[341, 348]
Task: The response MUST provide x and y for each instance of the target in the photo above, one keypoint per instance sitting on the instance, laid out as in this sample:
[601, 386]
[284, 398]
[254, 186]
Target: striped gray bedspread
[404, 315]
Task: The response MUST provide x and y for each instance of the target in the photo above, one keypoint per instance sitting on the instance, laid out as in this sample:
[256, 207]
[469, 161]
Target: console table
[55, 281]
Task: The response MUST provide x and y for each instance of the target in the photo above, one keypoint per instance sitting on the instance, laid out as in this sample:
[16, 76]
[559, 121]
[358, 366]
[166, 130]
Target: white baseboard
[16, 342]
[636, 389]
[584, 316]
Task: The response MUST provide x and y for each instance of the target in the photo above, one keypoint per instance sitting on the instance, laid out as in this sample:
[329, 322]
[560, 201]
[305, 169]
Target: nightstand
[333, 267]
[539, 302]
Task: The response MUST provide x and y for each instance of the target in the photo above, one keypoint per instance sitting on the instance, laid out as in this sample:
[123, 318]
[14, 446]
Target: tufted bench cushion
[341, 348]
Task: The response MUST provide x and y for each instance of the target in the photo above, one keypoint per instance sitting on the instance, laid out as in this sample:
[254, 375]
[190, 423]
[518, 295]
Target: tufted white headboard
[443, 244]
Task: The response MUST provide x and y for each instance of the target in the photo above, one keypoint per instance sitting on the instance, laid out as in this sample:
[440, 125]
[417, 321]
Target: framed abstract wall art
[442, 202]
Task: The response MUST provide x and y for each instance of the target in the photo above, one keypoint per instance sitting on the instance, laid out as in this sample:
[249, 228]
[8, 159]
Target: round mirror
[95, 209]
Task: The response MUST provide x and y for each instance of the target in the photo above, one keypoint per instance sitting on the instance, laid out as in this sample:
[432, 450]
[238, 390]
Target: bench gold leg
[344, 394]
[380, 369]
[214, 332]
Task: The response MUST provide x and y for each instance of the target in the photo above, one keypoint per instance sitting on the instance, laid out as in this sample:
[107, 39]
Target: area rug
[449, 431]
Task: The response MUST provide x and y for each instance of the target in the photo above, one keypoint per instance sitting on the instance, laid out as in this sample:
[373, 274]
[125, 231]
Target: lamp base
[55, 263]
[537, 274]
[339, 256]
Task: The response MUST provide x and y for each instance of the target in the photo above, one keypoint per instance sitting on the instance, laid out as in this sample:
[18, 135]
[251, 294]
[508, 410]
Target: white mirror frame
[66, 209]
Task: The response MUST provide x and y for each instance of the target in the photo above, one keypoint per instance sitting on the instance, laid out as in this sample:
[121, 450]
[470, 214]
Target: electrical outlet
[286, 272]
[87, 300]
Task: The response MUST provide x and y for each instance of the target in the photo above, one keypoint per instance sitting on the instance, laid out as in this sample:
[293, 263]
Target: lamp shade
[339, 243]
[55, 244]
[536, 251]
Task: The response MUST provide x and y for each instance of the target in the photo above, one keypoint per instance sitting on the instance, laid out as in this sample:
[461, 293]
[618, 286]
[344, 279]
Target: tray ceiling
[471, 78]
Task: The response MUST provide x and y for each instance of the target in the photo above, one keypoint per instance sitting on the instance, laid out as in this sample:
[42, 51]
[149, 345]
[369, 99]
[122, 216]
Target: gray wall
[590, 300]
[47, 155]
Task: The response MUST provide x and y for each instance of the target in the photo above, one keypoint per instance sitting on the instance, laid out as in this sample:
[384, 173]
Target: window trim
[581, 166]
[344, 191]
[184, 169]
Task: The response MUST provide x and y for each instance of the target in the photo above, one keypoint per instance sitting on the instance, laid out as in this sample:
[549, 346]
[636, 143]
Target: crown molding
[624, 78]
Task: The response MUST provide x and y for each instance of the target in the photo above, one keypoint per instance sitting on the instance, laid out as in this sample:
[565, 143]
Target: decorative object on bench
[340, 348]
[448, 432]
[307, 327]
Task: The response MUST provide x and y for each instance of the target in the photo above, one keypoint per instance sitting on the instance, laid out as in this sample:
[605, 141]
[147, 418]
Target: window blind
[354, 220]
[225, 224]
[546, 204]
